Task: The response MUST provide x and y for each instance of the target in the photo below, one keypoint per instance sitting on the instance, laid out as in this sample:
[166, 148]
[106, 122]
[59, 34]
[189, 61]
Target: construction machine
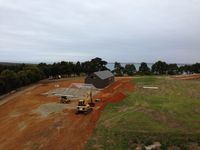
[85, 105]
[64, 99]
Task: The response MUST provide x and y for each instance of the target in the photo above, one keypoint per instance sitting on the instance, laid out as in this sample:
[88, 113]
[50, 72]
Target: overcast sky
[115, 30]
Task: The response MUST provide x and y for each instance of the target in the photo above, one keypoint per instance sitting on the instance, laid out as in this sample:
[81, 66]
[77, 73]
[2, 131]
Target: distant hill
[11, 63]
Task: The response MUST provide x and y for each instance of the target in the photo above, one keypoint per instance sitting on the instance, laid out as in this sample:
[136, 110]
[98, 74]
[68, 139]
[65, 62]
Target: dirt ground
[31, 121]
[187, 77]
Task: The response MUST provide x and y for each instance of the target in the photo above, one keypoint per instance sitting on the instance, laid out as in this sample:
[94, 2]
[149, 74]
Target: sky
[115, 30]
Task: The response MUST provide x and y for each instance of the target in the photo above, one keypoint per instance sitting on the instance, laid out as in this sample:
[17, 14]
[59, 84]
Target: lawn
[169, 115]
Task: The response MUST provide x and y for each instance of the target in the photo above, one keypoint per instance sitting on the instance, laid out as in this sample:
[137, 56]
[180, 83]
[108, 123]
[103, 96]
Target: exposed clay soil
[188, 77]
[33, 121]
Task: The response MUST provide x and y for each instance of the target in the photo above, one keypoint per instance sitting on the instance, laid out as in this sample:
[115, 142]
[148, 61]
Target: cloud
[126, 31]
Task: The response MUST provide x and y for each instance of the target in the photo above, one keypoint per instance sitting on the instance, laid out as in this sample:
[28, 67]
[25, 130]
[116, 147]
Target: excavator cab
[83, 107]
[81, 103]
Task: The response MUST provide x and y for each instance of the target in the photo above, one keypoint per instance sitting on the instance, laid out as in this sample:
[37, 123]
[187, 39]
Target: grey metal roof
[104, 74]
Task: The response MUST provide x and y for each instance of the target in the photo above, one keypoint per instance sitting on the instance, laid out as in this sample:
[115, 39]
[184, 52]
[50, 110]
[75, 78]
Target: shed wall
[97, 82]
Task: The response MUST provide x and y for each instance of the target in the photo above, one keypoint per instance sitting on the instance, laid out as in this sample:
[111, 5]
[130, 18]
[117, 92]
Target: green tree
[63, 68]
[55, 69]
[70, 69]
[130, 69]
[26, 74]
[23, 78]
[2, 86]
[45, 69]
[33, 73]
[186, 69]
[196, 68]
[96, 64]
[118, 69]
[10, 79]
[172, 69]
[159, 67]
[144, 69]
[78, 68]
[86, 67]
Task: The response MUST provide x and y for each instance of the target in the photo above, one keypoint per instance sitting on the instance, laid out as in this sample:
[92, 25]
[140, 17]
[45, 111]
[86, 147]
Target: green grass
[170, 115]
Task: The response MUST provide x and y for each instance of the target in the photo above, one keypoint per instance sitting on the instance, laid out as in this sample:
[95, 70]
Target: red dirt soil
[188, 77]
[20, 128]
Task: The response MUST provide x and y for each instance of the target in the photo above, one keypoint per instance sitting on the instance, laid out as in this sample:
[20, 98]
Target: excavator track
[88, 111]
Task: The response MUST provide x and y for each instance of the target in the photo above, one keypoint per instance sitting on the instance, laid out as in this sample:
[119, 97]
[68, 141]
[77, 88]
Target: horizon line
[31, 62]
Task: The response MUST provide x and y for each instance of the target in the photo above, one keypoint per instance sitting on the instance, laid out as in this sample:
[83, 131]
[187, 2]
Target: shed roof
[104, 74]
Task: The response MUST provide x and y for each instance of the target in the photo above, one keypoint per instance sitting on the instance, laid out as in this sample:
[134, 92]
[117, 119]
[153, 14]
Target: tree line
[158, 68]
[13, 76]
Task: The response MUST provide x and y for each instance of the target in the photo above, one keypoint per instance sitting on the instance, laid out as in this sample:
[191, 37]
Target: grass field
[169, 115]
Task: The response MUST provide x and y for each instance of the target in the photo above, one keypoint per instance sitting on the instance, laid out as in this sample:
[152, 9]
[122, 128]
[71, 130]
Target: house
[100, 79]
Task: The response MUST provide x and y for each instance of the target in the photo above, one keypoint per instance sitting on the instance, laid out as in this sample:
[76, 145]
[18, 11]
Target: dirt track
[187, 77]
[23, 127]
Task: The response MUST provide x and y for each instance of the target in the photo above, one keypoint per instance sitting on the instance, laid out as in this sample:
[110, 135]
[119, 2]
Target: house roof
[104, 74]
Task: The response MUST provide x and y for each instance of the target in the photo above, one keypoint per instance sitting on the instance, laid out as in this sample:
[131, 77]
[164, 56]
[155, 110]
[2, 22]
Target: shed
[100, 79]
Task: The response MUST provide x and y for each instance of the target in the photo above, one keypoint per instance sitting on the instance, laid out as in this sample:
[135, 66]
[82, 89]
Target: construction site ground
[30, 120]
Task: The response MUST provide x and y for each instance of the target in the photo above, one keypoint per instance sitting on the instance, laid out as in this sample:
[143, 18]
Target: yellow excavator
[85, 105]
